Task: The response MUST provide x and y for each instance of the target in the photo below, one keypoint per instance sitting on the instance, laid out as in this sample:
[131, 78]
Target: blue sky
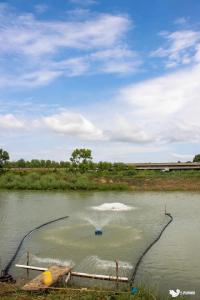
[119, 77]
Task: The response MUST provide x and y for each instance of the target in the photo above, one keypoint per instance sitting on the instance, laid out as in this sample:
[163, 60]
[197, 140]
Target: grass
[11, 292]
[60, 179]
[55, 180]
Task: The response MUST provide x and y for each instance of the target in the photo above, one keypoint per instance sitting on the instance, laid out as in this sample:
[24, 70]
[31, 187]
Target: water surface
[128, 225]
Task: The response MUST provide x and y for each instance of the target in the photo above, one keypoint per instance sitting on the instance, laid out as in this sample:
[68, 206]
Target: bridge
[138, 166]
[166, 166]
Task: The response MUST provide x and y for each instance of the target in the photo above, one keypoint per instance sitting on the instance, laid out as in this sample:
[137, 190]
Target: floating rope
[7, 268]
[149, 247]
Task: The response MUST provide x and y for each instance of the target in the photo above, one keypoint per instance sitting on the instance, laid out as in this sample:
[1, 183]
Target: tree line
[81, 160]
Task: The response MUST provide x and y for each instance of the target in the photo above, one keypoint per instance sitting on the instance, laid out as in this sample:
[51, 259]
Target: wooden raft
[37, 283]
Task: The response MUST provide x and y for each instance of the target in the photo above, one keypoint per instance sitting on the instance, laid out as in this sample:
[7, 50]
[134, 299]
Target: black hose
[7, 268]
[149, 247]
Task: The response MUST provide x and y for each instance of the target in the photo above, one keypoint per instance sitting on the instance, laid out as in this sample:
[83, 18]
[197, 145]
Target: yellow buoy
[47, 278]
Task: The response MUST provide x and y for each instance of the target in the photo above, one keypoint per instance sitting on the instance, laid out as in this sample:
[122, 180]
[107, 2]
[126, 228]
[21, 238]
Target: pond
[129, 221]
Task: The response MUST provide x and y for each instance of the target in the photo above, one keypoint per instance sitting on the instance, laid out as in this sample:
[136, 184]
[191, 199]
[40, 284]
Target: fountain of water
[104, 214]
[99, 221]
[113, 206]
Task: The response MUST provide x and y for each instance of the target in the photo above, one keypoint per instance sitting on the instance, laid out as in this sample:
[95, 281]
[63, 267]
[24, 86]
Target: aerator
[98, 231]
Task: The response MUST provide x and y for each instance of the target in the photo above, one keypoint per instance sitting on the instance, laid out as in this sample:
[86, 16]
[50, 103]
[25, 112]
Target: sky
[119, 77]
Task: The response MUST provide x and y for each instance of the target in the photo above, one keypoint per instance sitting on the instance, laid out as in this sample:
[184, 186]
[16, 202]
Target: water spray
[5, 276]
[100, 222]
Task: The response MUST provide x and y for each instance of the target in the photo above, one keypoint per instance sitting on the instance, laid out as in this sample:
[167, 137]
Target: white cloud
[183, 157]
[180, 48]
[95, 44]
[125, 130]
[182, 131]
[9, 121]
[31, 79]
[167, 107]
[71, 67]
[116, 60]
[30, 36]
[73, 124]
[127, 153]
[118, 52]
[161, 110]
[164, 95]
[38, 77]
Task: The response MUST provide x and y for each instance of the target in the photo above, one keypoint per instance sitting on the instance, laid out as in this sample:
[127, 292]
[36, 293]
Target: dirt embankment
[156, 184]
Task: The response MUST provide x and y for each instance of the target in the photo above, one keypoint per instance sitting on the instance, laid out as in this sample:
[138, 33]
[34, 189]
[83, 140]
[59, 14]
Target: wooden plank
[68, 278]
[79, 274]
[37, 283]
[100, 277]
[31, 268]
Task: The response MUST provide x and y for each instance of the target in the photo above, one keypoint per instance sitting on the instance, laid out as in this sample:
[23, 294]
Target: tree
[4, 158]
[120, 166]
[81, 159]
[48, 163]
[79, 156]
[35, 163]
[21, 163]
[196, 158]
[104, 166]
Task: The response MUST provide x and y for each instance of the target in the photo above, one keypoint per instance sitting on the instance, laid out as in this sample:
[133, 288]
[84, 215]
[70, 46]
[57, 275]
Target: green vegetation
[81, 173]
[81, 160]
[100, 179]
[4, 157]
[196, 158]
[56, 180]
[11, 292]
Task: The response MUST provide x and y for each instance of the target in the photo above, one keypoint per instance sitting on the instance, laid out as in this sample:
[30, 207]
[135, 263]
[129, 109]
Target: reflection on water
[129, 220]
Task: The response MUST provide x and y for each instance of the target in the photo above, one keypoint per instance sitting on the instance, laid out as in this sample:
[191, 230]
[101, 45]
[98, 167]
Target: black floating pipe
[148, 248]
[8, 266]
